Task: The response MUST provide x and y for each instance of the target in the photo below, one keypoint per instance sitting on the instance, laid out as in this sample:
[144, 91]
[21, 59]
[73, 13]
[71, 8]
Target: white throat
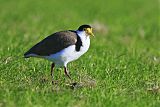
[82, 35]
[85, 40]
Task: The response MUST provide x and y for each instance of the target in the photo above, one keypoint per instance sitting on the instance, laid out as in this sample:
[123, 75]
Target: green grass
[121, 68]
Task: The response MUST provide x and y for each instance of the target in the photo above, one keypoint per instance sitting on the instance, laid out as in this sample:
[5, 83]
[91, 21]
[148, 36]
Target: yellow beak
[89, 31]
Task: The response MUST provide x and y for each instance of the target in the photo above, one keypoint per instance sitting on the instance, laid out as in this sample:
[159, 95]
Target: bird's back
[53, 43]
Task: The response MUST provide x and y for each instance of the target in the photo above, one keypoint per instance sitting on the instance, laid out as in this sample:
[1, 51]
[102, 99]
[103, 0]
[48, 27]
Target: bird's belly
[67, 55]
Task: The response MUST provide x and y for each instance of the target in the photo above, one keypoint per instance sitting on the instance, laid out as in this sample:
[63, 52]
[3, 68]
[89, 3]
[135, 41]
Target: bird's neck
[84, 38]
[82, 35]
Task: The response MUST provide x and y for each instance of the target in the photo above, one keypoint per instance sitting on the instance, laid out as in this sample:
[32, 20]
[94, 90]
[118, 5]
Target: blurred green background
[122, 67]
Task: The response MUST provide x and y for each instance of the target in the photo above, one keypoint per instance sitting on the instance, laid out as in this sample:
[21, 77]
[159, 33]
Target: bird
[62, 47]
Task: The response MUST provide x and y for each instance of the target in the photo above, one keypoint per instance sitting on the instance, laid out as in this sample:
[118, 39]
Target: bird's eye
[84, 29]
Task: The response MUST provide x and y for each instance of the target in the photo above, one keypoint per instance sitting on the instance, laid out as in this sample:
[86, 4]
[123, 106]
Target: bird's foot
[54, 82]
[73, 85]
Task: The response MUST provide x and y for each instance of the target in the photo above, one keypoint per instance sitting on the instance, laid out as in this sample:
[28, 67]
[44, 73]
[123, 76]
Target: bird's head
[87, 29]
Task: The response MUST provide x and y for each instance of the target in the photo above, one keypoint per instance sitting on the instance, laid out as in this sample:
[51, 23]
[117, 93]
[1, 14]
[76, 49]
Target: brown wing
[53, 43]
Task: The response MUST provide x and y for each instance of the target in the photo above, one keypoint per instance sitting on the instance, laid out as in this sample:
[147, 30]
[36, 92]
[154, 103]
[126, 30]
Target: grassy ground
[121, 69]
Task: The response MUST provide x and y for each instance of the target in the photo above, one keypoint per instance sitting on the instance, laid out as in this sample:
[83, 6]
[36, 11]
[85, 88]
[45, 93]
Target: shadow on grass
[66, 84]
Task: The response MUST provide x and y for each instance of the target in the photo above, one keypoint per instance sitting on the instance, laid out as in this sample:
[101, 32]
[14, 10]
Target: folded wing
[53, 43]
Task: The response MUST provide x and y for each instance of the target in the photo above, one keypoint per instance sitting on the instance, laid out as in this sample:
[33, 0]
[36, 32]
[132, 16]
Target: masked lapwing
[63, 47]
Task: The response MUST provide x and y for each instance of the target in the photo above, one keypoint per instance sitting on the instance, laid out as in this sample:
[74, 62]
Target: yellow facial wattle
[89, 31]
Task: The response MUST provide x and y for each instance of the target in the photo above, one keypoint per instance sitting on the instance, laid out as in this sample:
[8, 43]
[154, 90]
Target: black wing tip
[26, 55]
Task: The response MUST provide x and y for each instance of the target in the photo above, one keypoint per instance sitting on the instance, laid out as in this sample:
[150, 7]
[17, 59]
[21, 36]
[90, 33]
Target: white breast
[70, 54]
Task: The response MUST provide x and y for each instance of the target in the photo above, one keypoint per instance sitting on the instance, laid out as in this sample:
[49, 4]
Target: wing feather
[53, 43]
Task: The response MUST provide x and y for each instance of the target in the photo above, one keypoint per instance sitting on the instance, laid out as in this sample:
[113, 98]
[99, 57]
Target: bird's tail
[26, 55]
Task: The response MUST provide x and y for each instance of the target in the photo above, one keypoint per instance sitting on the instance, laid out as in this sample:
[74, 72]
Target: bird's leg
[72, 84]
[52, 68]
[52, 76]
[66, 72]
